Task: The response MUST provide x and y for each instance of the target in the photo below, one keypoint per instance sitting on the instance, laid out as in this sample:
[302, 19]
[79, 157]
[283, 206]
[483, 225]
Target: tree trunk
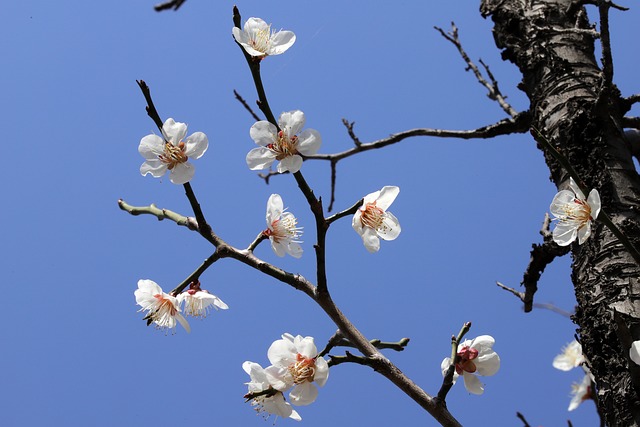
[574, 106]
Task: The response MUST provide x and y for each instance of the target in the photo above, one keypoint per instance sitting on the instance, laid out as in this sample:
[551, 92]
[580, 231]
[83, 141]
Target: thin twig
[523, 419]
[189, 222]
[607, 60]
[246, 106]
[175, 4]
[447, 382]
[351, 358]
[196, 274]
[349, 126]
[494, 92]
[352, 210]
[260, 238]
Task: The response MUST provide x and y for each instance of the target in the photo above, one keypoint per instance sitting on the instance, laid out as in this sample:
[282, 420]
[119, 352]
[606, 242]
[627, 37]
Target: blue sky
[75, 350]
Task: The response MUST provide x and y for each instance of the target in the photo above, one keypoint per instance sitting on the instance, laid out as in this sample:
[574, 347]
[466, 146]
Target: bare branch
[338, 340]
[607, 59]
[631, 122]
[523, 419]
[350, 358]
[494, 92]
[352, 210]
[447, 382]
[189, 222]
[541, 256]
[349, 126]
[246, 106]
[519, 124]
[171, 4]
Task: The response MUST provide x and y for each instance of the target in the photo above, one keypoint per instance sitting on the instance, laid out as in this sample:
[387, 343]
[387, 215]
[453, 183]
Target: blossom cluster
[165, 310]
[574, 214]
[474, 357]
[295, 367]
[570, 358]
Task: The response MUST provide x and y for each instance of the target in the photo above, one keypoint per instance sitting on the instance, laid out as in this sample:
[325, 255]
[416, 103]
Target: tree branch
[246, 106]
[447, 382]
[189, 222]
[494, 92]
[171, 4]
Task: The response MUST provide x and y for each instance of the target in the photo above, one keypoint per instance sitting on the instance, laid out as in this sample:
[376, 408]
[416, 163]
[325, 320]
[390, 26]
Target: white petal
[594, 203]
[182, 173]
[294, 249]
[278, 406]
[303, 394]
[275, 207]
[279, 247]
[560, 200]
[472, 383]
[322, 372]
[173, 131]
[196, 145]
[392, 230]
[306, 347]
[282, 353]
[255, 24]
[183, 322]
[263, 133]
[563, 362]
[356, 223]
[291, 122]
[155, 167]
[151, 146]
[576, 189]
[260, 158]
[370, 240]
[309, 142]
[281, 41]
[387, 195]
[488, 364]
[371, 197]
[584, 232]
[291, 164]
[634, 352]
[564, 234]
[483, 343]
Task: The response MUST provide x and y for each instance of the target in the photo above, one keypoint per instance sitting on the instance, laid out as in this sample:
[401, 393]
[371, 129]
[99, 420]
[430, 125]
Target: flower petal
[281, 41]
[290, 163]
[584, 232]
[263, 133]
[260, 158]
[183, 322]
[322, 372]
[309, 142]
[634, 352]
[151, 146]
[155, 167]
[387, 195]
[294, 249]
[196, 145]
[560, 200]
[291, 122]
[391, 228]
[564, 234]
[594, 203]
[487, 364]
[303, 394]
[370, 239]
[275, 207]
[576, 189]
[173, 131]
[472, 383]
[182, 173]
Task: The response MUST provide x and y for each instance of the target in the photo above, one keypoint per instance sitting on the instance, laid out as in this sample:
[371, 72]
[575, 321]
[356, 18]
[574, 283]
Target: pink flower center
[284, 146]
[372, 216]
[173, 155]
[465, 363]
[304, 369]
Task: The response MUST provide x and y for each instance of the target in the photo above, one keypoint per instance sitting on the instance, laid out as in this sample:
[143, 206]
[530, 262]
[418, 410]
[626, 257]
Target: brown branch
[631, 122]
[338, 340]
[150, 108]
[189, 222]
[519, 124]
[352, 210]
[541, 256]
[246, 106]
[171, 4]
[523, 419]
[351, 358]
[447, 382]
[607, 59]
[494, 92]
[349, 126]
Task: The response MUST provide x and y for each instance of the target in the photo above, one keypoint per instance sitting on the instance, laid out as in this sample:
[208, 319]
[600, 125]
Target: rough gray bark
[575, 107]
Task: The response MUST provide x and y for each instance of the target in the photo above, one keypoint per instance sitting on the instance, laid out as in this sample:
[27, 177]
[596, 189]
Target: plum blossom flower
[634, 352]
[580, 391]
[285, 145]
[198, 302]
[373, 222]
[172, 152]
[265, 398]
[162, 308]
[474, 357]
[259, 40]
[574, 214]
[571, 357]
[282, 229]
[295, 363]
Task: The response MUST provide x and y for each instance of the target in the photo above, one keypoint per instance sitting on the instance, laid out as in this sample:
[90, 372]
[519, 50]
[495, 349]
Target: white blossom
[295, 363]
[265, 398]
[475, 357]
[162, 308]
[172, 152]
[198, 302]
[574, 214]
[285, 145]
[259, 40]
[282, 228]
[373, 222]
[571, 357]
[580, 392]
